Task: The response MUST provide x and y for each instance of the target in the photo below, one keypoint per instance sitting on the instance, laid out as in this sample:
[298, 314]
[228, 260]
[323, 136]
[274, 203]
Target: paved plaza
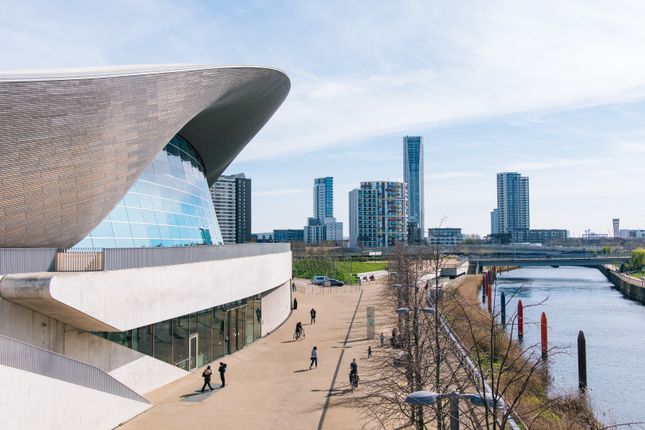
[269, 384]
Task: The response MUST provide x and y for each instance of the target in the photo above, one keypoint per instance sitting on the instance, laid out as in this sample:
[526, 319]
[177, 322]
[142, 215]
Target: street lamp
[429, 398]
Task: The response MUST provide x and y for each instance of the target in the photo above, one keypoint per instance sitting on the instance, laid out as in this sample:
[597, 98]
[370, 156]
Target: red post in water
[545, 335]
[490, 298]
[520, 320]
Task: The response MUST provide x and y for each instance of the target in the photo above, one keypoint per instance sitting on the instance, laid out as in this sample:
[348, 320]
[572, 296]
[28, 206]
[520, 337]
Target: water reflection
[577, 298]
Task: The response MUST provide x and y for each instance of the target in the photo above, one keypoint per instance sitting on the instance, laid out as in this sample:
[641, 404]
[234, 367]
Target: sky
[554, 90]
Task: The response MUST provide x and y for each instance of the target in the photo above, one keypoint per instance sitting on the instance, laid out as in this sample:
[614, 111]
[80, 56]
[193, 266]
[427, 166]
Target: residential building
[541, 235]
[323, 227]
[631, 234]
[231, 196]
[512, 202]
[413, 177]
[616, 225]
[323, 198]
[353, 218]
[288, 235]
[494, 222]
[121, 160]
[382, 217]
[444, 236]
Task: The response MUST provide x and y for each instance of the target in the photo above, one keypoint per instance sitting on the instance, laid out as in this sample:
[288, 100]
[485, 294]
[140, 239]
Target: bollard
[582, 362]
[484, 289]
[520, 320]
[544, 335]
[503, 309]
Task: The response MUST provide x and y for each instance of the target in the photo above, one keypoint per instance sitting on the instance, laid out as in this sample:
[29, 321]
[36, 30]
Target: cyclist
[353, 374]
[299, 330]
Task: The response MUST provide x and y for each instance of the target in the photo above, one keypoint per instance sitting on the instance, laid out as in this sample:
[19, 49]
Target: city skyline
[546, 109]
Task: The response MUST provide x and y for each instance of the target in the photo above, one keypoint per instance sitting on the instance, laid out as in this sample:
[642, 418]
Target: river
[577, 299]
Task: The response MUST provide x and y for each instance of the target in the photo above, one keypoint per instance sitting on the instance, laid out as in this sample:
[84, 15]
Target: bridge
[554, 261]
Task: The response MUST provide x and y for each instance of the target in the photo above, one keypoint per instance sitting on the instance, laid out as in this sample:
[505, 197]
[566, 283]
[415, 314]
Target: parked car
[335, 283]
[319, 280]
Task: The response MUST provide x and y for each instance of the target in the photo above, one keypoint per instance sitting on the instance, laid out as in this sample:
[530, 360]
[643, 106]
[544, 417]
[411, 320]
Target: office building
[631, 234]
[512, 202]
[413, 177]
[616, 225]
[106, 174]
[231, 196]
[382, 217]
[445, 236]
[323, 227]
[288, 235]
[541, 235]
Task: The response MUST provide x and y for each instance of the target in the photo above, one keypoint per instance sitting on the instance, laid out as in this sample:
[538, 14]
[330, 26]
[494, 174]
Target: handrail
[30, 358]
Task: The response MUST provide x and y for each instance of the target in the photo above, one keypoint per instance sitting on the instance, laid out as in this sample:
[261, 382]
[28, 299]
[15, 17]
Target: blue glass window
[169, 205]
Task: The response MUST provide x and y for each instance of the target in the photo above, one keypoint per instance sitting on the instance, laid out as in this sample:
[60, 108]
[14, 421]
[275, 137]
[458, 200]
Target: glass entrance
[192, 352]
[231, 338]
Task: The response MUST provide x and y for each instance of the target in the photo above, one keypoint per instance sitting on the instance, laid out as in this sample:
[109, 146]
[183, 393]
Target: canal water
[577, 299]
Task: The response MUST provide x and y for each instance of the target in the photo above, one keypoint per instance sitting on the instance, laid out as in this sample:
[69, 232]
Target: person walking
[353, 374]
[312, 312]
[222, 371]
[369, 351]
[206, 374]
[295, 303]
[314, 357]
[382, 337]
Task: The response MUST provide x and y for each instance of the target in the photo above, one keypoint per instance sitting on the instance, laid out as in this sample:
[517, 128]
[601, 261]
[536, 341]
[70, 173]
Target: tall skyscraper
[512, 203]
[231, 196]
[353, 218]
[323, 198]
[616, 223]
[382, 214]
[323, 226]
[413, 176]
[494, 223]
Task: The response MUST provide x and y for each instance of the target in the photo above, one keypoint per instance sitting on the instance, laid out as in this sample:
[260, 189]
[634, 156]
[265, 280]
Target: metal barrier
[79, 260]
[30, 358]
[26, 260]
[30, 260]
[130, 258]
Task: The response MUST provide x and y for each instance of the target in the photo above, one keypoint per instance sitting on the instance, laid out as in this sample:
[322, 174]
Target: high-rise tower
[512, 203]
[413, 176]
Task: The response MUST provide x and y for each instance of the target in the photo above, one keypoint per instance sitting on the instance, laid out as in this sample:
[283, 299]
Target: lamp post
[429, 398]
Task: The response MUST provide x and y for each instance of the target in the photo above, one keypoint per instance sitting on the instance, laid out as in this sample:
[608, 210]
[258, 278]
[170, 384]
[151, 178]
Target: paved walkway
[269, 384]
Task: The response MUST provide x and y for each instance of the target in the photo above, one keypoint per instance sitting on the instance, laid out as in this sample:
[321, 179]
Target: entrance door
[231, 317]
[192, 351]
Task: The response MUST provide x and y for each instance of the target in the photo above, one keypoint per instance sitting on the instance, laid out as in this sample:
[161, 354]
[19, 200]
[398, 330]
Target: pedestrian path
[269, 384]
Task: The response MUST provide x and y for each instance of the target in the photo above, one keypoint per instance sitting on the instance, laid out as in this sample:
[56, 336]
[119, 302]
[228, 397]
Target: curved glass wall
[169, 205]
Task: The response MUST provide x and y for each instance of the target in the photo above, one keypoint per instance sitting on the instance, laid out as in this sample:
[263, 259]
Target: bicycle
[353, 380]
[298, 335]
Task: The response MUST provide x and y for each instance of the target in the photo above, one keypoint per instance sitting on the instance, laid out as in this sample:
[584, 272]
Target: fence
[30, 260]
[20, 355]
[26, 260]
[79, 260]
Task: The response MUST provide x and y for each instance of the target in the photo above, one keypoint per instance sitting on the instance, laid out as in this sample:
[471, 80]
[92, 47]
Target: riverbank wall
[632, 288]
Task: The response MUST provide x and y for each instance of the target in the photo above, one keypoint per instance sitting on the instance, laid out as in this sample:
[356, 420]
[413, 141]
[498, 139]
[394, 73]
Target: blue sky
[554, 90]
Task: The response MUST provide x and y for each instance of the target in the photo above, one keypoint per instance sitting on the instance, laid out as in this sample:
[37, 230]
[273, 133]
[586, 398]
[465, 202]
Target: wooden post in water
[520, 320]
[582, 362]
[484, 288]
[503, 309]
[544, 326]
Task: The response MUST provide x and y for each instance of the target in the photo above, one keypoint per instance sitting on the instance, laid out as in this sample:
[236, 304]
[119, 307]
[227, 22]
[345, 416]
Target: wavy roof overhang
[72, 143]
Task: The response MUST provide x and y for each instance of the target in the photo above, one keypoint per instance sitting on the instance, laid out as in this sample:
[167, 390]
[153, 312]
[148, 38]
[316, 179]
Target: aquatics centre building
[113, 277]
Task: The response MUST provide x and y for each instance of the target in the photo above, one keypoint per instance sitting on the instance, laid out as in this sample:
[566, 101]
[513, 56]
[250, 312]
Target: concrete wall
[632, 288]
[32, 401]
[276, 305]
[121, 300]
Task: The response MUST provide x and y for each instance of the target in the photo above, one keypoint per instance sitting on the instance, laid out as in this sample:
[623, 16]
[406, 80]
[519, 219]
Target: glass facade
[194, 340]
[169, 205]
[413, 176]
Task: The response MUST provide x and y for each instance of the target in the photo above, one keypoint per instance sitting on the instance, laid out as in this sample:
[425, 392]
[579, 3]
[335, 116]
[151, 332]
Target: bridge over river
[547, 260]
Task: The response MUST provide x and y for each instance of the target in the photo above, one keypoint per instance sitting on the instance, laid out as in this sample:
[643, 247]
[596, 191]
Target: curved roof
[72, 143]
